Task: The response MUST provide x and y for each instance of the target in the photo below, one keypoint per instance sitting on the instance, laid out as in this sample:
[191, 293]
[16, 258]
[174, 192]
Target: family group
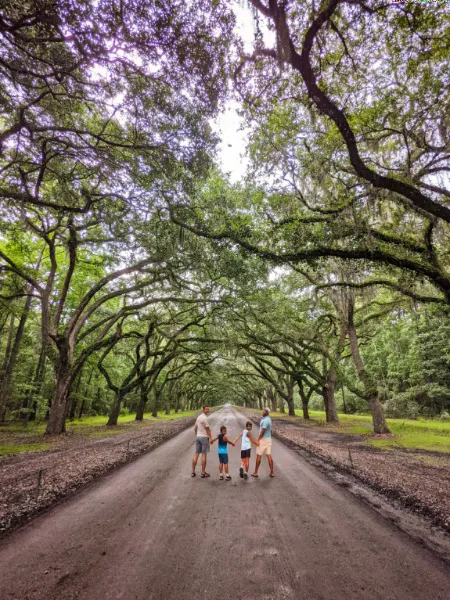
[204, 439]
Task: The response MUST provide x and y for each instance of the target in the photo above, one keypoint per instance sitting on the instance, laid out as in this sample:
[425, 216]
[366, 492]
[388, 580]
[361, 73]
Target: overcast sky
[229, 125]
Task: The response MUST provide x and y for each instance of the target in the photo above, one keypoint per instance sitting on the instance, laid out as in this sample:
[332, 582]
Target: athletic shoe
[241, 472]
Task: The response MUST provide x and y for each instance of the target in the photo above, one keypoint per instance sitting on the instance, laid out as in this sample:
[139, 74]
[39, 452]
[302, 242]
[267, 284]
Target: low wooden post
[350, 458]
[38, 482]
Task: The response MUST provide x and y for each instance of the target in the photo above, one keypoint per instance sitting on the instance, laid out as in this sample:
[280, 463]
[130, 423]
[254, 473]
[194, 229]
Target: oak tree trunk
[378, 419]
[305, 401]
[329, 397]
[115, 410]
[57, 417]
[155, 402]
[142, 402]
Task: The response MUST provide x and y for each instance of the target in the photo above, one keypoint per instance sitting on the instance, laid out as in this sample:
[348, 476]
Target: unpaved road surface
[149, 531]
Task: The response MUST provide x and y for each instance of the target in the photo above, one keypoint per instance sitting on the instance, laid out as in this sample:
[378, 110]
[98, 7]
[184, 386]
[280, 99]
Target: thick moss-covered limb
[436, 276]
[401, 242]
[383, 283]
[300, 61]
[283, 383]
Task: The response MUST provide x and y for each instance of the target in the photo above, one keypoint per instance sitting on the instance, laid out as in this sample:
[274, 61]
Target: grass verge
[17, 438]
[421, 434]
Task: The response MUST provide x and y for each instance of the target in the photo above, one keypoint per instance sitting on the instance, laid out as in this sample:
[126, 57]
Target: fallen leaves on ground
[31, 483]
[404, 475]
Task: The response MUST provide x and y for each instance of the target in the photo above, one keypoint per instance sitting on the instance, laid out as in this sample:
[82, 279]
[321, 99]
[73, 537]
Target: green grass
[17, 438]
[101, 420]
[423, 434]
[35, 428]
[6, 449]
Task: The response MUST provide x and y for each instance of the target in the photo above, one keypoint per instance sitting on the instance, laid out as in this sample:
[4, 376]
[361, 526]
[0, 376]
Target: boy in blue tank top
[246, 445]
[223, 452]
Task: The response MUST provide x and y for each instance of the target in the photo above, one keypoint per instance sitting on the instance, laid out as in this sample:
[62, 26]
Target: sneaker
[221, 477]
[241, 472]
[228, 477]
[245, 476]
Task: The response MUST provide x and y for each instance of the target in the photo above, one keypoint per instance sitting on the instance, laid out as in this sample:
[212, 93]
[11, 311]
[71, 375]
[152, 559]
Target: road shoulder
[414, 499]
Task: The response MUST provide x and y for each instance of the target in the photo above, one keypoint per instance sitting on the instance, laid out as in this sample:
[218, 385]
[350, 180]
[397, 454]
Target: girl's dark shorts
[246, 453]
[223, 459]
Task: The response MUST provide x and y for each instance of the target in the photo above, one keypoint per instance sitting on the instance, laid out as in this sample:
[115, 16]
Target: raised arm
[238, 437]
[227, 440]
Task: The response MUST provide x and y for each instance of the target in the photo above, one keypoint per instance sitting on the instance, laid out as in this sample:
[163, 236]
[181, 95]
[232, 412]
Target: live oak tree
[117, 231]
[104, 107]
[392, 124]
[128, 85]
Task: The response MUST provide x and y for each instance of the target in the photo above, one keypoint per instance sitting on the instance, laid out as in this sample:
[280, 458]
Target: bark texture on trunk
[305, 400]
[290, 401]
[378, 418]
[155, 402]
[57, 416]
[142, 402]
[329, 393]
[273, 399]
[329, 397]
[115, 411]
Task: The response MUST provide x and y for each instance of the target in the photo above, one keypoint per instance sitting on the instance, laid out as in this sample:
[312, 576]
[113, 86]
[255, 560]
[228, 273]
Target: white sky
[232, 149]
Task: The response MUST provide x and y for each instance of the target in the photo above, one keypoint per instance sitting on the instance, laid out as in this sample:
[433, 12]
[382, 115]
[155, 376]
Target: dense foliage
[134, 274]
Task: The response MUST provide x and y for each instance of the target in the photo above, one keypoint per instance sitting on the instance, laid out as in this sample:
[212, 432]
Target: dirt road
[149, 531]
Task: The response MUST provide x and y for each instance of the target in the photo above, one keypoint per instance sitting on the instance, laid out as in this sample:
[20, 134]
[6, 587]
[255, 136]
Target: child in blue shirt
[223, 452]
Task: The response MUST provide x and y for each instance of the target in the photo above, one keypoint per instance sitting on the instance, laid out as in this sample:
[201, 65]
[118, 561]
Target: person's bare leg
[221, 468]
[247, 464]
[194, 462]
[226, 469]
[204, 456]
[270, 459]
[257, 464]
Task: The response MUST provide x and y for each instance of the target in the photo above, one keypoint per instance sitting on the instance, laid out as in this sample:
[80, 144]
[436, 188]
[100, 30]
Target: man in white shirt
[202, 441]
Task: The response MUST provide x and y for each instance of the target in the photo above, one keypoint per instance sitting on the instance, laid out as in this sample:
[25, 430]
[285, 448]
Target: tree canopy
[135, 274]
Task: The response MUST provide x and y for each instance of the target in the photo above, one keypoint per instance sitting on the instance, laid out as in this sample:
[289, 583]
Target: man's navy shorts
[223, 459]
[246, 453]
